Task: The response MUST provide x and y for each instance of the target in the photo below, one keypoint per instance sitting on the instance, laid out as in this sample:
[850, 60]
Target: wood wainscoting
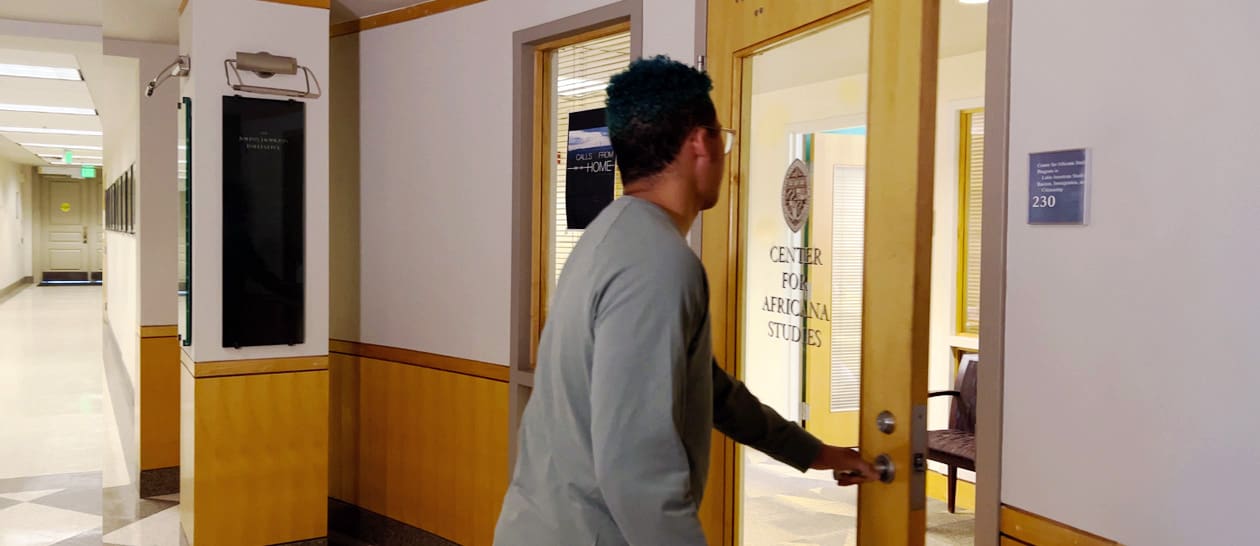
[419, 438]
[159, 410]
[254, 453]
[1021, 528]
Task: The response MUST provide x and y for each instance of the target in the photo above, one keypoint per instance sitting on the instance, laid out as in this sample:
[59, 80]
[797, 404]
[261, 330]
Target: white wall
[212, 32]
[436, 176]
[121, 296]
[120, 120]
[1130, 343]
[157, 215]
[140, 134]
[15, 222]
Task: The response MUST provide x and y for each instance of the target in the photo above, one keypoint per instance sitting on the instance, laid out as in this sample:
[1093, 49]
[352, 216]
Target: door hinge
[700, 63]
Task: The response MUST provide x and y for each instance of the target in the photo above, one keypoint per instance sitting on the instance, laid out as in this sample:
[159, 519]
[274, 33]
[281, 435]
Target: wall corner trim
[400, 15]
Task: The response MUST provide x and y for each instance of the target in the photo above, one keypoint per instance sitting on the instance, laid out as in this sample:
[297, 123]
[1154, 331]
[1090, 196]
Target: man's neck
[672, 196]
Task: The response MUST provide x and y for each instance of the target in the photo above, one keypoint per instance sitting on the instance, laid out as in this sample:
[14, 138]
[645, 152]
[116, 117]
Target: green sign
[88, 171]
[69, 157]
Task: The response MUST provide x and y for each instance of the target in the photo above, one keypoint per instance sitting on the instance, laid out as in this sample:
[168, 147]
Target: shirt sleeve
[645, 320]
[738, 414]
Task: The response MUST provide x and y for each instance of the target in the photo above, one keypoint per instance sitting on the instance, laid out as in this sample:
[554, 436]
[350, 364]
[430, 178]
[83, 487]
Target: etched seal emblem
[796, 195]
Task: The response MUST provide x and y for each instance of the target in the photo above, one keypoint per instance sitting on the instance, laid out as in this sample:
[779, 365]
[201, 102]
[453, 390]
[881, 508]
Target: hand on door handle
[846, 465]
[886, 469]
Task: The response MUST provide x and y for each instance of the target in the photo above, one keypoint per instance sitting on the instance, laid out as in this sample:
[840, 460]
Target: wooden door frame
[895, 334]
[37, 226]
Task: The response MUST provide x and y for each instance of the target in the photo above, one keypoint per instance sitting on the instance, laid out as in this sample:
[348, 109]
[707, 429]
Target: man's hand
[846, 466]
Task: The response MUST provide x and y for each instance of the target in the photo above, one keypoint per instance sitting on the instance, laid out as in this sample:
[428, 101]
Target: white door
[67, 246]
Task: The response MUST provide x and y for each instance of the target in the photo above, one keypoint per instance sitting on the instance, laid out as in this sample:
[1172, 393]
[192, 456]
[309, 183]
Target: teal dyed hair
[652, 106]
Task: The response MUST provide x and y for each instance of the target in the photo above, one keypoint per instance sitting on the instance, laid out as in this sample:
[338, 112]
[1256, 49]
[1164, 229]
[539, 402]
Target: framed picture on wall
[131, 199]
[109, 206]
[131, 209]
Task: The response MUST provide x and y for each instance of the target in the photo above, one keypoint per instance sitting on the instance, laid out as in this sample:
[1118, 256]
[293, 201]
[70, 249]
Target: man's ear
[697, 140]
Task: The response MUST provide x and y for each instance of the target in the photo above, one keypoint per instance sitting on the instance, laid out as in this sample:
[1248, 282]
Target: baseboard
[1029, 528]
[312, 542]
[373, 528]
[159, 481]
[322, 541]
[938, 488]
[70, 277]
[14, 288]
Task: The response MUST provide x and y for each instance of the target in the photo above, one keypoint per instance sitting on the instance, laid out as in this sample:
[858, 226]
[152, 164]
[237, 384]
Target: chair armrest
[944, 393]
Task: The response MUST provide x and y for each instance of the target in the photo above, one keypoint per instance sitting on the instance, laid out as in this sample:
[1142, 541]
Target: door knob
[886, 422]
[887, 470]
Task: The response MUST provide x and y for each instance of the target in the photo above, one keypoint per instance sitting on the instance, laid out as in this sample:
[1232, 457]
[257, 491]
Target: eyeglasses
[728, 138]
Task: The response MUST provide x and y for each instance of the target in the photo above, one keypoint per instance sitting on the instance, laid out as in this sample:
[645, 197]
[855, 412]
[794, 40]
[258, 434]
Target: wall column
[254, 419]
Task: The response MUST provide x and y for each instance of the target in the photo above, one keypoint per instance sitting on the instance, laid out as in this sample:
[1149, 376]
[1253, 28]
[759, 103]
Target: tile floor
[783, 506]
[52, 430]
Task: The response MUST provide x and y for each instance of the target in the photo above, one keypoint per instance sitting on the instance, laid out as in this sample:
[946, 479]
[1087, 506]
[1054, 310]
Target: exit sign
[88, 171]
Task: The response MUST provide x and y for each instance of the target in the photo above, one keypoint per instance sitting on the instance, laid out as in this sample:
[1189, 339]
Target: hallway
[52, 429]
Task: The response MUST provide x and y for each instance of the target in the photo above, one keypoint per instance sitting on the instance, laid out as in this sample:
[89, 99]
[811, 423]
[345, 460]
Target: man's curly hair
[652, 106]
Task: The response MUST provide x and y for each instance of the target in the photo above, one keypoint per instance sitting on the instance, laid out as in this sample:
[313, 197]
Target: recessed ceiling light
[42, 72]
[46, 131]
[60, 146]
[48, 109]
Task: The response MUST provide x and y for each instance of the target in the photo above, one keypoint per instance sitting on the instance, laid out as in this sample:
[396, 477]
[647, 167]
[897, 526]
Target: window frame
[965, 117]
[544, 136]
[529, 144]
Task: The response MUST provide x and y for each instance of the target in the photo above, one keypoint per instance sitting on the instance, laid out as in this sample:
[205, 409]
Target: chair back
[962, 411]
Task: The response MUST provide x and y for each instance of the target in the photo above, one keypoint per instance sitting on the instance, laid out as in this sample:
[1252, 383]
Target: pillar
[254, 413]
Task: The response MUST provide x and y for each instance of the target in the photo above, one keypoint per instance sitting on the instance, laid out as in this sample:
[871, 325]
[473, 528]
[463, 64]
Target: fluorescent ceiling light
[83, 157]
[973, 1]
[570, 87]
[60, 146]
[48, 109]
[42, 72]
[76, 164]
[46, 131]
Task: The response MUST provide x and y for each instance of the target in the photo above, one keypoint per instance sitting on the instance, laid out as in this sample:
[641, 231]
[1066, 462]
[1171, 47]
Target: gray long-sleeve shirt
[614, 442]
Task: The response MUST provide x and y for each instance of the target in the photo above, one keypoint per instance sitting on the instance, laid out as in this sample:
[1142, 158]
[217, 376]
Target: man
[614, 443]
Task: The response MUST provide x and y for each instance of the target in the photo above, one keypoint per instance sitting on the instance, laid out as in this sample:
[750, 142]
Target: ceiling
[142, 20]
[843, 50]
[66, 12]
[25, 135]
[36, 39]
